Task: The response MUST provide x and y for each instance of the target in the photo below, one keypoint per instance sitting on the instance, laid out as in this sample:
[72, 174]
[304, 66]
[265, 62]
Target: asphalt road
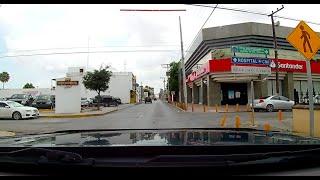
[142, 116]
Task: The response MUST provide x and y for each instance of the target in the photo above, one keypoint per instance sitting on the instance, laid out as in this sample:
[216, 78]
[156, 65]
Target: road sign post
[311, 108]
[307, 42]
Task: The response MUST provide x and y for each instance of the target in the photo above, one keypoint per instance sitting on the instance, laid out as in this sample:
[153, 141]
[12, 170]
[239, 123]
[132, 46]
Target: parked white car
[271, 103]
[16, 111]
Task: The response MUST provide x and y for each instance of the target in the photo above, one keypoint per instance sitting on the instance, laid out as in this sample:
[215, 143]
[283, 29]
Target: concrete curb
[176, 107]
[81, 115]
[75, 115]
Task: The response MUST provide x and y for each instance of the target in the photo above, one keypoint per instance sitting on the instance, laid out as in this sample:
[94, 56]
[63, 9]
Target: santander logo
[286, 65]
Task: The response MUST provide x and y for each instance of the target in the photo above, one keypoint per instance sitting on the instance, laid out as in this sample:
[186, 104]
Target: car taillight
[261, 101]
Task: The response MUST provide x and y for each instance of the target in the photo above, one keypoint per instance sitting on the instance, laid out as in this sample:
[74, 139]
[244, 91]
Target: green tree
[4, 77]
[28, 86]
[98, 81]
[174, 77]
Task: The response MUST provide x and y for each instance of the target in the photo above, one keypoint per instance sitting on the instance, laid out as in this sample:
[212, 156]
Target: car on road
[271, 103]
[118, 100]
[44, 101]
[16, 111]
[24, 99]
[106, 101]
[147, 99]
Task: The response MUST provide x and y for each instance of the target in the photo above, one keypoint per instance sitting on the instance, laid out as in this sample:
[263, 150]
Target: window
[275, 98]
[283, 98]
[3, 105]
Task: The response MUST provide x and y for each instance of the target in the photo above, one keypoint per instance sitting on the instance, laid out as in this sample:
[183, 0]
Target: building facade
[209, 65]
[121, 84]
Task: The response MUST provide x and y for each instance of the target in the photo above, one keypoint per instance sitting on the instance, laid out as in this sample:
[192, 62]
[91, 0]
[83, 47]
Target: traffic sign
[250, 60]
[305, 40]
[249, 50]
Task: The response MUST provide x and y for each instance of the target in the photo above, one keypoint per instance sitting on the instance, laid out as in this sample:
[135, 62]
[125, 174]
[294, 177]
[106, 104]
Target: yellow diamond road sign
[305, 40]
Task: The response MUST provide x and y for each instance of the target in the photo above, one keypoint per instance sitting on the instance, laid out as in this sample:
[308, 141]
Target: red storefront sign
[289, 65]
[224, 65]
[200, 72]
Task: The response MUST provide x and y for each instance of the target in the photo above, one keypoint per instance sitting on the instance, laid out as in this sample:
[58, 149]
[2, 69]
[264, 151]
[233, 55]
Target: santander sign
[289, 65]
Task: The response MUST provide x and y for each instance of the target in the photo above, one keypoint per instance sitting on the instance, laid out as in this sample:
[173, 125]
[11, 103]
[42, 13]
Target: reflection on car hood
[157, 138]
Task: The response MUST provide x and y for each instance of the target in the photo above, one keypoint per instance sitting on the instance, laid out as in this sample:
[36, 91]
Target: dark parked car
[44, 101]
[24, 99]
[147, 99]
[118, 100]
[106, 101]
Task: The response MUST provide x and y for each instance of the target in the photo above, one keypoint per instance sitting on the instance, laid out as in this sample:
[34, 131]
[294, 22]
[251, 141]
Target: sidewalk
[218, 108]
[47, 113]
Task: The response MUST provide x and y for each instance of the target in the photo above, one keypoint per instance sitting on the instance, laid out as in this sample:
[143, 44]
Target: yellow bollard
[223, 121]
[237, 122]
[280, 118]
[266, 127]
[251, 118]
[237, 107]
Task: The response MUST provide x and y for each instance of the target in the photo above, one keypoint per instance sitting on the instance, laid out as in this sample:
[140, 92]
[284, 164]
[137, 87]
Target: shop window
[316, 86]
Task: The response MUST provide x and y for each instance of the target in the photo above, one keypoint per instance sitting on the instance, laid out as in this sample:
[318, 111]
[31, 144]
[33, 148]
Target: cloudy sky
[145, 40]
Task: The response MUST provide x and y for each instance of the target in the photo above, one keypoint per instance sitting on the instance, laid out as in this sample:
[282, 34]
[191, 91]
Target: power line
[67, 48]
[252, 12]
[202, 26]
[84, 52]
[151, 10]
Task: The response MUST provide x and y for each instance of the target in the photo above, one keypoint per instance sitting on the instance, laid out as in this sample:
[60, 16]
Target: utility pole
[167, 66]
[164, 85]
[275, 49]
[182, 55]
[184, 86]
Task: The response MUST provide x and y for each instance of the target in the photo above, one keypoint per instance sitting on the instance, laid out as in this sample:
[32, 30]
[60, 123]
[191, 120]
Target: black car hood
[187, 137]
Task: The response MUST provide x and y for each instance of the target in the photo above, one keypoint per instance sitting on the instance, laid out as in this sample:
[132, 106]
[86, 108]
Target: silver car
[271, 103]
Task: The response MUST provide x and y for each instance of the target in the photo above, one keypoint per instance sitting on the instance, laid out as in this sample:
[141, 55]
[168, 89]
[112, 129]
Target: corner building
[208, 65]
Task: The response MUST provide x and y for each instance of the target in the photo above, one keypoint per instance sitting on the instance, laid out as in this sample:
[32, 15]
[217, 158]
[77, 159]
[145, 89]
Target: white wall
[68, 99]
[119, 86]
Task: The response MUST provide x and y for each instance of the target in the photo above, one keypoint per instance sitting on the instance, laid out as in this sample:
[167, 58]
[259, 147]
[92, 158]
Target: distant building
[150, 90]
[139, 91]
[121, 84]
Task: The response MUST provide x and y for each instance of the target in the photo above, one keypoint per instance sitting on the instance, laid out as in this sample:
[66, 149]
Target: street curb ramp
[176, 107]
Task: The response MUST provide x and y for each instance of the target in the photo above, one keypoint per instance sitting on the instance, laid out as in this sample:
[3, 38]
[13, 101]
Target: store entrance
[234, 93]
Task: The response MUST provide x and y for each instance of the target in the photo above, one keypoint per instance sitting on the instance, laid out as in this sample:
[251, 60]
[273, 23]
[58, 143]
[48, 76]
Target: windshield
[160, 66]
[18, 96]
[14, 104]
[43, 97]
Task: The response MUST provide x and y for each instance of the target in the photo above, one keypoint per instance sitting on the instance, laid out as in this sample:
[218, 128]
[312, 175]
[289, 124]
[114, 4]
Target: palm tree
[4, 77]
